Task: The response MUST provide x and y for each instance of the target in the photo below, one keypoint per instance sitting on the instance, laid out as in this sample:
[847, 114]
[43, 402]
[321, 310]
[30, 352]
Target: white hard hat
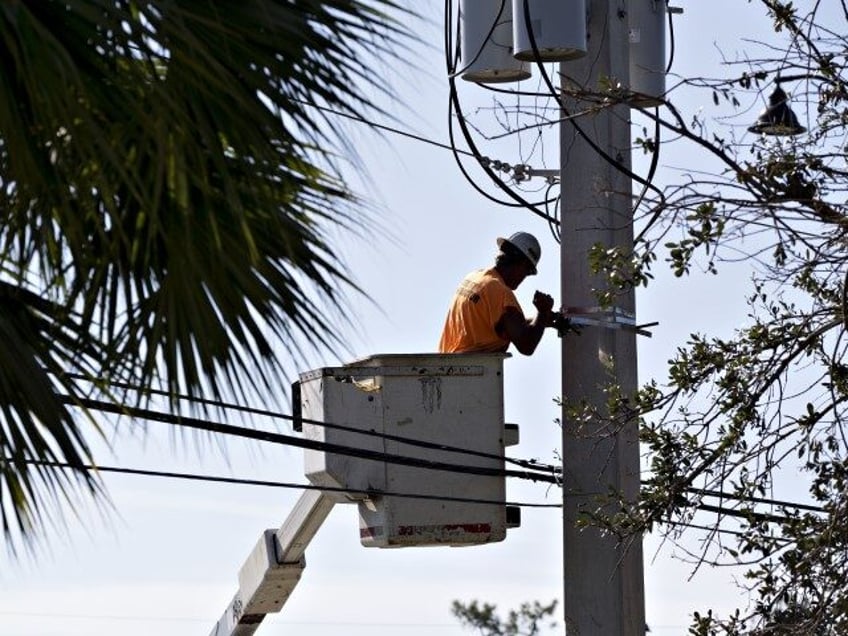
[527, 244]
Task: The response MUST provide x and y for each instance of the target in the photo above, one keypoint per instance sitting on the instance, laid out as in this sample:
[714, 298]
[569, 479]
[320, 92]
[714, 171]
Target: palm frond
[167, 186]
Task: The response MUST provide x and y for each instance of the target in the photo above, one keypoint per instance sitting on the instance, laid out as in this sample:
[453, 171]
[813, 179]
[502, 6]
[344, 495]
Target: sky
[164, 558]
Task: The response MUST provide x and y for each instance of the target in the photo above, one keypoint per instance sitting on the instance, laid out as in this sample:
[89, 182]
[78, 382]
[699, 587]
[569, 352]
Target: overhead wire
[657, 133]
[737, 533]
[366, 454]
[449, 46]
[618, 165]
[375, 492]
[404, 133]
[396, 131]
[253, 433]
[519, 201]
[764, 500]
[671, 43]
[474, 151]
[652, 169]
[555, 227]
[454, 106]
[381, 492]
[524, 463]
[400, 459]
[290, 440]
[743, 514]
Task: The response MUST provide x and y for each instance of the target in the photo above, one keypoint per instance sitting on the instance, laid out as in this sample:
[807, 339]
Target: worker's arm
[526, 333]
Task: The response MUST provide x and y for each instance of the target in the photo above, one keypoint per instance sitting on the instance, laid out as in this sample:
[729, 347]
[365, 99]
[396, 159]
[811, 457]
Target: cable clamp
[550, 176]
[573, 318]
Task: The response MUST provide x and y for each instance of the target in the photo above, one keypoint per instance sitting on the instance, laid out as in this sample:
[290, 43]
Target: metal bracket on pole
[573, 318]
[522, 172]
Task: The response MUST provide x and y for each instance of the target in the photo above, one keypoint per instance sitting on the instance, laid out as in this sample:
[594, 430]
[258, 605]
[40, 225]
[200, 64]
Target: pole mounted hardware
[574, 318]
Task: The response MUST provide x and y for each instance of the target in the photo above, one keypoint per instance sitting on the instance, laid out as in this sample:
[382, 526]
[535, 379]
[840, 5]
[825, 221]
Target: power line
[246, 432]
[107, 617]
[774, 502]
[721, 494]
[735, 533]
[743, 514]
[396, 131]
[404, 133]
[519, 201]
[485, 163]
[614, 162]
[290, 440]
[286, 485]
[524, 463]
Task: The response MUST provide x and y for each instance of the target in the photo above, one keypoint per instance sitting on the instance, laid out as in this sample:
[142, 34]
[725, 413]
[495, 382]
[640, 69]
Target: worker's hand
[544, 304]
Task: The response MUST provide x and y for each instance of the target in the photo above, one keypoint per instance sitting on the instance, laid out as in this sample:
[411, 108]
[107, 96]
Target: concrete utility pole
[604, 589]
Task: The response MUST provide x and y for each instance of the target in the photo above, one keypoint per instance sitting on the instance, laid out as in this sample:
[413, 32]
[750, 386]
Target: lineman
[485, 316]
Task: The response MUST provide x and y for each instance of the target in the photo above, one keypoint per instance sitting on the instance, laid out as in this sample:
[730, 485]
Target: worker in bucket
[485, 315]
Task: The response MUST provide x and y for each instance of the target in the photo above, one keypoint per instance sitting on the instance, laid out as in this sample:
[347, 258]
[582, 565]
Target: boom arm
[268, 577]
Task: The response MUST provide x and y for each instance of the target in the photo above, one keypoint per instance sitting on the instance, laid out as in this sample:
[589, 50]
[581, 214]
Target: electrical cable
[520, 202]
[740, 514]
[657, 132]
[696, 526]
[524, 463]
[774, 502]
[390, 129]
[449, 7]
[554, 227]
[512, 91]
[572, 120]
[447, 33]
[274, 437]
[335, 624]
[451, 147]
[454, 106]
[286, 485]
[475, 153]
[289, 440]
[671, 42]
[652, 170]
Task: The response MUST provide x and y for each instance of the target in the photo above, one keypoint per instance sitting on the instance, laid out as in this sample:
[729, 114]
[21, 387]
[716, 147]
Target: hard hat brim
[501, 240]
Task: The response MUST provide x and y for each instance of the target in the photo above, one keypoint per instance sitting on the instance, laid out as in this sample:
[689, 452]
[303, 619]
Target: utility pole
[604, 581]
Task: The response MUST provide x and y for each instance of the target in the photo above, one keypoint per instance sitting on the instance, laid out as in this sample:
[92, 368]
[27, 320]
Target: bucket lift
[416, 441]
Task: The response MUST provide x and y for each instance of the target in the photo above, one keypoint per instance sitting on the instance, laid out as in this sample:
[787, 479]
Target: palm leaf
[168, 187]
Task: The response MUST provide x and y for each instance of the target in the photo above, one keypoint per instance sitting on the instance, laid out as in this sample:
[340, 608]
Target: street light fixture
[778, 118]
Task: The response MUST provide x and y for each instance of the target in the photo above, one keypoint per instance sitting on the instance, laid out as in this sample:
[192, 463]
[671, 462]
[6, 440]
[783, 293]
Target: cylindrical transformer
[647, 51]
[486, 43]
[556, 27]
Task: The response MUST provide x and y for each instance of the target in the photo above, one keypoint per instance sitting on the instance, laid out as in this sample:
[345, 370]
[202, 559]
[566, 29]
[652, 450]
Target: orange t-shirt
[478, 305]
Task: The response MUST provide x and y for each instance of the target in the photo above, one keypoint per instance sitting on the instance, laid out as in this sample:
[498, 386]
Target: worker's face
[520, 271]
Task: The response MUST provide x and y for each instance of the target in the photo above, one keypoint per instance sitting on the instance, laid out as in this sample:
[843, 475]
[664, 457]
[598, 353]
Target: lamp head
[778, 118]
